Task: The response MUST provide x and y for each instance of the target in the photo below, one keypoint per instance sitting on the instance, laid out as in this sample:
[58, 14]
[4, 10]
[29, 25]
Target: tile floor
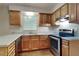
[37, 53]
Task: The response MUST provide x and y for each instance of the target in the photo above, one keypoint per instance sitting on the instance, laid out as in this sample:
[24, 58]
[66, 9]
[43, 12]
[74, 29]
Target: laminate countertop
[6, 40]
[76, 37]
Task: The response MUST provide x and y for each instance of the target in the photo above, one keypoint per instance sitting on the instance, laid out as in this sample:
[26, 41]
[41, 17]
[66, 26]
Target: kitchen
[47, 29]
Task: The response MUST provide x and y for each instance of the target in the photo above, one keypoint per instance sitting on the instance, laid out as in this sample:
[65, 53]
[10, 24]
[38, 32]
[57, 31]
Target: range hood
[62, 19]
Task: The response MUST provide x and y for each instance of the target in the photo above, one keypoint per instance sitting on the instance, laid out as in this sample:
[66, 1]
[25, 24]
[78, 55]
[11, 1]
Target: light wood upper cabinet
[72, 12]
[14, 17]
[44, 19]
[57, 14]
[53, 19]
[78, 13]
[64, 10]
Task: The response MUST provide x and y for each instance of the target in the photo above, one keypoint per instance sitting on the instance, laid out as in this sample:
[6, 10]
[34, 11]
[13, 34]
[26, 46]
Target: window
[30, 20]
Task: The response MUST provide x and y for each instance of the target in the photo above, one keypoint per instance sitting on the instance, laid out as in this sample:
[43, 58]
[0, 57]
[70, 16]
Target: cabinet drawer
[25, 38]
[65, 42]
[35, 37]
[74, 43]
[43, 37]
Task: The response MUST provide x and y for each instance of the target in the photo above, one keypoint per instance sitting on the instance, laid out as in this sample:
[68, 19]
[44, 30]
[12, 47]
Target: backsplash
[68, 26]
[52, 30]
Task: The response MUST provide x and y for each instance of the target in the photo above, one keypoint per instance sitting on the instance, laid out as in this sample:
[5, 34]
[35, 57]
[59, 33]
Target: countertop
[70, 38]
[67, 38]
[8, 39]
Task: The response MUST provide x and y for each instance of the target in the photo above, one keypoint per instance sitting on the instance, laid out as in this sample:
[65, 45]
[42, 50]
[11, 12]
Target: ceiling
[42, 6]
[38, 5]
[45, 7]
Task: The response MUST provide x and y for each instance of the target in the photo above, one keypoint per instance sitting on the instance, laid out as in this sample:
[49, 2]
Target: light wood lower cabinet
[26, 43]
[8, 51]
[64, 50]
[44, 42]
[70, 48]
[74, 48]
[34, 42]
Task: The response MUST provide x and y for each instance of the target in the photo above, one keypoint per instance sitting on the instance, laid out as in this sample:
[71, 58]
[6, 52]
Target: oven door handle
[55, 38]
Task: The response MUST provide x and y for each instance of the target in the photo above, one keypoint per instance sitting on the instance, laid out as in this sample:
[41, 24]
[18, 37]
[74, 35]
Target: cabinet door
[42, 19]
[74, 48]
[48, 19]
[53, 19]
[77, 12]
[57, 14]
[65, 50]
[35, 42]
[15, 18]
[64, 10]
[26, 43]
[45, 19]
[44, 42]
[72, 12]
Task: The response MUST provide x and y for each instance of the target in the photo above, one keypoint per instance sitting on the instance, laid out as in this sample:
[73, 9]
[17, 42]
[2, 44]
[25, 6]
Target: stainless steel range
[56, 40]
[56, 43]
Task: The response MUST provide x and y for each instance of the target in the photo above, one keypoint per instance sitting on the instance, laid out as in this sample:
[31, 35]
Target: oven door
[55, 43]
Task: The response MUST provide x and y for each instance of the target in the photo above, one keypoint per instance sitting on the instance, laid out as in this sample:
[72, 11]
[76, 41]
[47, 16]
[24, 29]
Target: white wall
[4, 20]
[67, 26]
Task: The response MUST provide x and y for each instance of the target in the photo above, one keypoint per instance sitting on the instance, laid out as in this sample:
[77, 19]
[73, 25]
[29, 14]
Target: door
[72, 12]
[26, 43]
[35, 42]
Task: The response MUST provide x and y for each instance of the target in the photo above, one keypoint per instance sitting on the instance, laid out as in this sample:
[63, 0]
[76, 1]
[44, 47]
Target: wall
[65, 25]
[4, 20]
